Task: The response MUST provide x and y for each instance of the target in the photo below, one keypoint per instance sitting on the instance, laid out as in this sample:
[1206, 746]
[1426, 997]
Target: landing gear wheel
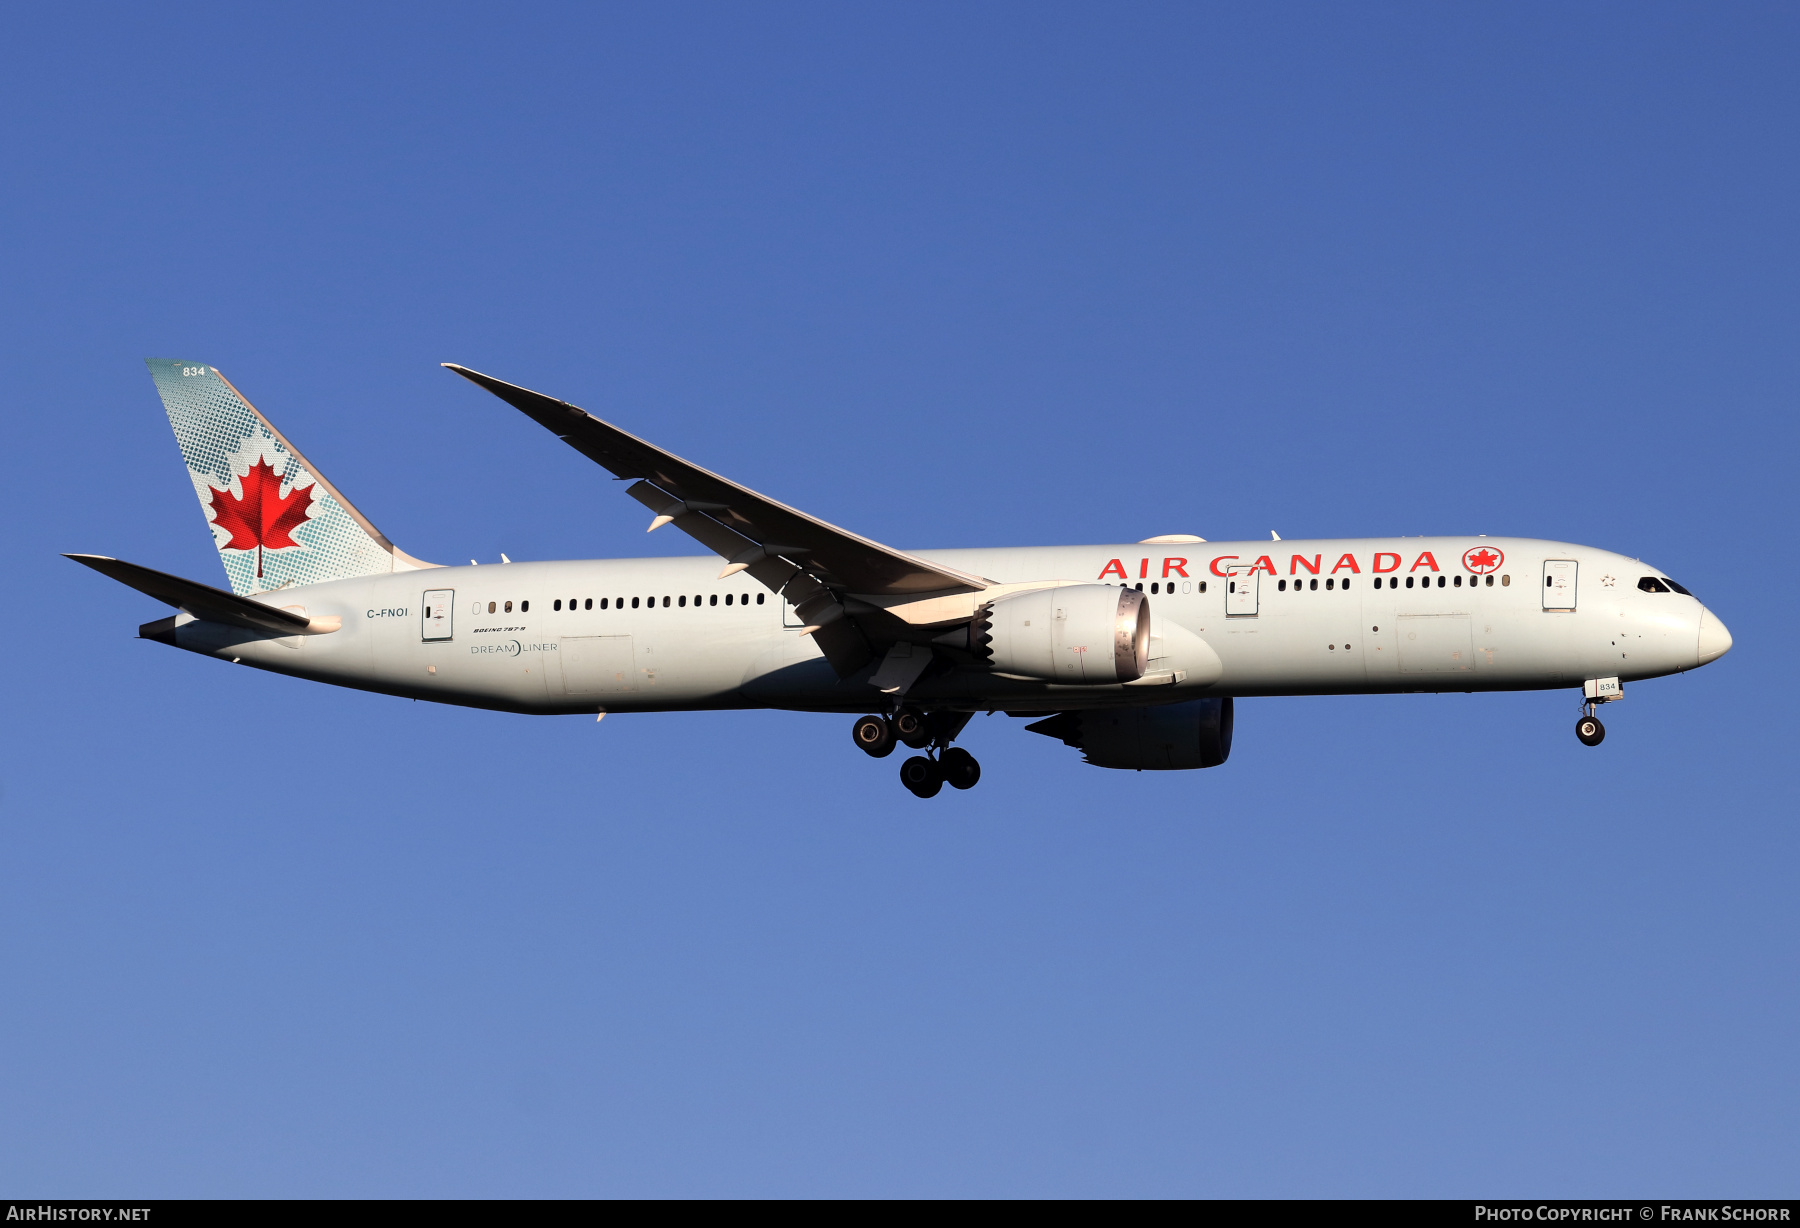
[921, 776]
[959, 768]
[1590, 731]
[874, 736]
[910, 728]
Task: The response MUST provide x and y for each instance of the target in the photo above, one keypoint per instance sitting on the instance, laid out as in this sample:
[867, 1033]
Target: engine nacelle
[1196, 734]
[1078, 634]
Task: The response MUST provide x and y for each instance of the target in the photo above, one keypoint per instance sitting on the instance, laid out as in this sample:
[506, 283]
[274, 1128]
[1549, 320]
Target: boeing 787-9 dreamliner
[1131, 653]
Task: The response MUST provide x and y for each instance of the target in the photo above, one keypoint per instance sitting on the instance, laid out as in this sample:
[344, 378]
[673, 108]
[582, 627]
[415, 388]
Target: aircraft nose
[1715, 641]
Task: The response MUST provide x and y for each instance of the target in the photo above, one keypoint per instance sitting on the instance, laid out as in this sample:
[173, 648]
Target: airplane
[1130, 653]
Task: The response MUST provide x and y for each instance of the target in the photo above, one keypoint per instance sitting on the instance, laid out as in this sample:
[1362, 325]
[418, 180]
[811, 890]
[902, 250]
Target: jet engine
[1077, 634]
[1196, 734]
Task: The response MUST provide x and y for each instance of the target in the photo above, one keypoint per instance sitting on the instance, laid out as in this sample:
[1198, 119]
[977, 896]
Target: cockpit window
[1677, 587]
[1650, 584]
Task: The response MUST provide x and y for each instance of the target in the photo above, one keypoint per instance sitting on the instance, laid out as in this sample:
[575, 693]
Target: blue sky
[949, 275]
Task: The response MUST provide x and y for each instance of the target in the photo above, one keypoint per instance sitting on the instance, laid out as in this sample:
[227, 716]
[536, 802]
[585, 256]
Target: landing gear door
[1559, 584]
[1240, 590]
[434, 613]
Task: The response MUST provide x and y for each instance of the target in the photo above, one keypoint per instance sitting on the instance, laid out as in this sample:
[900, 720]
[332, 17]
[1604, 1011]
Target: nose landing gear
[1594, 692]
[932, 732]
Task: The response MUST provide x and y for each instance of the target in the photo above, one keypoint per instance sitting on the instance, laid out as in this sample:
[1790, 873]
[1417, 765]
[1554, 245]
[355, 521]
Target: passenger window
[1203, 586]
[683, 601]
[665, 603]
[1409, 581]
[727, 598]
[1328, 585]
[1140, 586]
[1650, 584]
[634, 603]
[759, 598]
[1490, 582]
[1281, 585]
[713, 600]
[557, 604]
[1313, 585]
[1346, 583]
[491, 607]
[524, 607]
[508, 607]
[1458, 583]
[1442, 580]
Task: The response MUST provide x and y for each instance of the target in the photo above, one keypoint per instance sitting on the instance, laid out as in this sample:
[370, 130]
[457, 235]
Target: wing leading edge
[817, 566]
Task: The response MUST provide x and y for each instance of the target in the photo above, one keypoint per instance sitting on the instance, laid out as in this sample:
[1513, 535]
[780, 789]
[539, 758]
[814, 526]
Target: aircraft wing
[813, 564]
[695, 498]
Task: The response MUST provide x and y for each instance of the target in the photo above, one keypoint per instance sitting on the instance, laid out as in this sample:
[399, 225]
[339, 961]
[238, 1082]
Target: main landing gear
[923, 775]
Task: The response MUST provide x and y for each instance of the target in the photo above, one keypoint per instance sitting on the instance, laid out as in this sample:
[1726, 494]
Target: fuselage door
[1240, 590]
[434, 613]
[1559, 584]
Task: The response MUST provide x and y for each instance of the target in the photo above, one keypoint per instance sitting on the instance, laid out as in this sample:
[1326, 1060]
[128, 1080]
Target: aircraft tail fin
[276, 521]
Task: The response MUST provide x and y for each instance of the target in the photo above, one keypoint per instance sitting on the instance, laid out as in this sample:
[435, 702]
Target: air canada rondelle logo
[1483, 559]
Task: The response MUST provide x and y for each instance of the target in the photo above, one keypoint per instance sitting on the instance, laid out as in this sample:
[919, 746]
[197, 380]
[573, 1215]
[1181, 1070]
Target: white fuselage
[1312, 617]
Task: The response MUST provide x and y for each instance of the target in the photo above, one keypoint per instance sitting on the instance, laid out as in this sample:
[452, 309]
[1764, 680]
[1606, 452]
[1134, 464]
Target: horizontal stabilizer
[212, 604]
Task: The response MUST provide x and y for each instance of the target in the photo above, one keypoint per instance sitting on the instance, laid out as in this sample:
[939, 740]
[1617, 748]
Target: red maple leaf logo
[1482, 560]
[263, 517]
